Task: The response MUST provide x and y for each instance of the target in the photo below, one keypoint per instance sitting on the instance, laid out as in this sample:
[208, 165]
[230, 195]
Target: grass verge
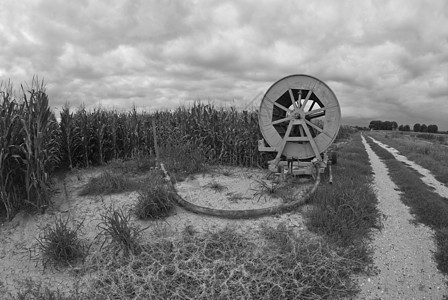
[427, 206]
[346, 211]
[433, 157]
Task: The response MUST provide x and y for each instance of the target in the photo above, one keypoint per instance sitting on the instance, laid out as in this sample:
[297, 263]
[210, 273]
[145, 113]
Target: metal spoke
[316, 113]
[307, 98]
[314, 126]
[312, 105]
[278, 105]
[281, 120]
[293, 101]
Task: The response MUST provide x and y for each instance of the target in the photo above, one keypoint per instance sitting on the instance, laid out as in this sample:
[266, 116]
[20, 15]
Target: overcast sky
[385, 60]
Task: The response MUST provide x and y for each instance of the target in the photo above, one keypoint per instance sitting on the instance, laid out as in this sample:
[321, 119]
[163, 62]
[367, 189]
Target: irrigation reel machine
[299, 119]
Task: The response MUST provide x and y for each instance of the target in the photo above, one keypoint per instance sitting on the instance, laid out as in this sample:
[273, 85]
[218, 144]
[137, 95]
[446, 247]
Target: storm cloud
[385, 60]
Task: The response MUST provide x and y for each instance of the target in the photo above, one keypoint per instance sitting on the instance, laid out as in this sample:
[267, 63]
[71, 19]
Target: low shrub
[60, 244]
[107, 183]
[155, 202]
[117, 229]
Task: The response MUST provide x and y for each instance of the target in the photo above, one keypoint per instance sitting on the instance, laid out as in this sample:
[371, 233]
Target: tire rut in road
[403, 252]
[427, 178]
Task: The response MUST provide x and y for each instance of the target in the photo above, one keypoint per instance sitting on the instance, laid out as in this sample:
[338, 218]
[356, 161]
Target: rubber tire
[334, 158]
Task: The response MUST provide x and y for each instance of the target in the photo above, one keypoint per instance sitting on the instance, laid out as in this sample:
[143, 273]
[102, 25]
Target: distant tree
[417, 127]
[387, 125]
[423, 128]
[401, 128]
[433, 128]
[375, 125]
[406, 128]
[394, 125]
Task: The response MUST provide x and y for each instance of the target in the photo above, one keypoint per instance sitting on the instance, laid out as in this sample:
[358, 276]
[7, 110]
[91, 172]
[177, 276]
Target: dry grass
[226, 265]
[108, 183]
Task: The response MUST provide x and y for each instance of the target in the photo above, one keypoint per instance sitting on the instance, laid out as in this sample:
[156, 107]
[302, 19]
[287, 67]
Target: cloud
[383, 59]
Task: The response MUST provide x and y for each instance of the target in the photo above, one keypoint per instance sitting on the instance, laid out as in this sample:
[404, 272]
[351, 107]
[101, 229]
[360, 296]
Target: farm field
[189, 251]
[430, 155]
[107, 226]
[98, 220]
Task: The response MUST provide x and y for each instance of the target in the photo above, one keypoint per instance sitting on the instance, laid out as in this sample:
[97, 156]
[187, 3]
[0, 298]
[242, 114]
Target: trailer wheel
[334, 158]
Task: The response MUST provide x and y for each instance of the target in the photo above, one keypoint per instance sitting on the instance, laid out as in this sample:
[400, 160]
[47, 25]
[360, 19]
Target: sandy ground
[402, 250]
[19, 255]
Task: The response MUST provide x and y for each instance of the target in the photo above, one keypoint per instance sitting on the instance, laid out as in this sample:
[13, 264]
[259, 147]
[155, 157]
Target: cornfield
[33, 143]
[29, 148]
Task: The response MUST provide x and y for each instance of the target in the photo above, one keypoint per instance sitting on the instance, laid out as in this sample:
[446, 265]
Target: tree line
[392, 125]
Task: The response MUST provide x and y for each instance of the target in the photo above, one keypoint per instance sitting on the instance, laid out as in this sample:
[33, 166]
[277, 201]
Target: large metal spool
[300, 117]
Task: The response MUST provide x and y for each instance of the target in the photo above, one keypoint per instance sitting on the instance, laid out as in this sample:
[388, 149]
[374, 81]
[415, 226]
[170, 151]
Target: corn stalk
[40, 151]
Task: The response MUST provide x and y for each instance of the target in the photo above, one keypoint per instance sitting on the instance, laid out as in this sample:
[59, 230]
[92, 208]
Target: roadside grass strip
[428, 207]
[433, 157]
[346, 210]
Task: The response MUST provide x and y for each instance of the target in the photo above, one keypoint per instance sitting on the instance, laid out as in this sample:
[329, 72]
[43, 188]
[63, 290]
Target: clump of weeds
[59, 243]
[264, 189]
[216, 186]
[155, 202]
[117, 229]
[107, 183]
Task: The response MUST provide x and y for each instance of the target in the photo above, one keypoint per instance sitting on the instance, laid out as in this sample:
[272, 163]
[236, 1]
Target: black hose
[246, 213]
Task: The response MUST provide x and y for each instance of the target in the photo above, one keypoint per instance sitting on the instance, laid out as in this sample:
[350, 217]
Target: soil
[19, 253]
[403, 251]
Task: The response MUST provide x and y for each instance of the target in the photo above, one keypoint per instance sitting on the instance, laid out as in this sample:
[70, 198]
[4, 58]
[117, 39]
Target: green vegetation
[345, 132]
[226, 265]
[264, 188]
[211, 265]
[155, 200]
[28, 148]
[123, 236]
[33, 143]
[107, 183]
[427, 206]
[345, 211]
[216, 186]
[60, 244]
[433, 157]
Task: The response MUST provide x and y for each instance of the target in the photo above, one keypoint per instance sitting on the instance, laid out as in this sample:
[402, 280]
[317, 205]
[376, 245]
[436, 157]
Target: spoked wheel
[300, 115]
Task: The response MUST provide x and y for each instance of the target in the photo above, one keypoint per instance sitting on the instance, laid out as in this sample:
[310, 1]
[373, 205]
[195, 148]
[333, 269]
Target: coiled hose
[241, 214]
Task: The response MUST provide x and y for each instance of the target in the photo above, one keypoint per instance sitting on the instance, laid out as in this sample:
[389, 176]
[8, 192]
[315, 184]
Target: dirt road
[402, 250]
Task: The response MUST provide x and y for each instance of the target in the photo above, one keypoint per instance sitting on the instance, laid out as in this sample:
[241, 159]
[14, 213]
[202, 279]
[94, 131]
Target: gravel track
[427, 178]
[403, 252]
